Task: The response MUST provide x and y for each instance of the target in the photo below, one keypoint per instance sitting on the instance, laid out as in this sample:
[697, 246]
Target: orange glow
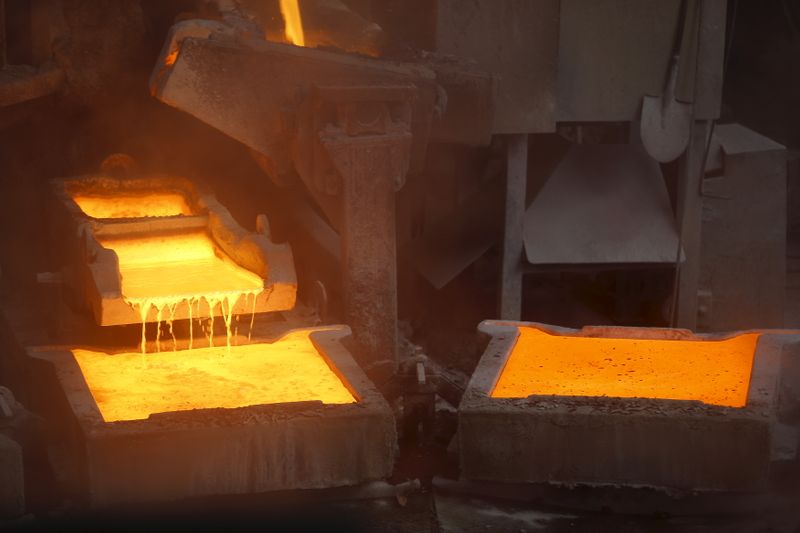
[293, 21]
[130, 386]
[177, 265]
[153, 204]
[713, 372]
[159, 272]
[171, 58]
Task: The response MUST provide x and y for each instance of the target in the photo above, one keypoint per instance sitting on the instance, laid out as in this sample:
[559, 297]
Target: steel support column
[690, 217]
[510, 293]
[369, 146]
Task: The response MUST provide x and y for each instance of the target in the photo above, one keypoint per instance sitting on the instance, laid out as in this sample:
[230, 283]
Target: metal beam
[690, 215]
[513, 244]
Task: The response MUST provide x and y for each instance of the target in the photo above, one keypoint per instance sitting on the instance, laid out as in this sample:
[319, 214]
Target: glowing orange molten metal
[160, 272]
[293, 21]
[131, 386]
[713, 372]
[177, 265]
[154, 204]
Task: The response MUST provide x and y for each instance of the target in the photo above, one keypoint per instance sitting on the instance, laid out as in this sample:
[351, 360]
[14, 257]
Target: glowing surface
[172, 57]
[152, 204]
[177, 265]
[132, 386]
[293, 21]
[162, 271]
[713, 372]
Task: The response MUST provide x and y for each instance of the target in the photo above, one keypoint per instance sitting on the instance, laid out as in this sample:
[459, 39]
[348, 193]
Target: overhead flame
[293, 21]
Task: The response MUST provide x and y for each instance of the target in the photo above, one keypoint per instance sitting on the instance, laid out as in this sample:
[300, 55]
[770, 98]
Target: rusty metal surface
[604, 204]
[517, 42]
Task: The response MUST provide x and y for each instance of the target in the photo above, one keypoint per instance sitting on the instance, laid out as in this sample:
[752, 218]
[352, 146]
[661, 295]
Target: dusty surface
[713, 372]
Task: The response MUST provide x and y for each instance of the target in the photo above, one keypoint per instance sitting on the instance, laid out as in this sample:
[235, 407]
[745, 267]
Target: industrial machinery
[408, 163]
[162, 253]
[629, 406]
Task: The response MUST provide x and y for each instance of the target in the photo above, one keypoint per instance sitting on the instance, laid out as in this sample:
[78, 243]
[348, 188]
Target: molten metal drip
[164, 272]
[288, 370]
[713, 372]
[252, 318]
[293, 21]
[155, 204]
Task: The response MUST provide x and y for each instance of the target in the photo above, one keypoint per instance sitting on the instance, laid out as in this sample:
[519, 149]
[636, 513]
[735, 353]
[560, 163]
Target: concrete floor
[431, 511]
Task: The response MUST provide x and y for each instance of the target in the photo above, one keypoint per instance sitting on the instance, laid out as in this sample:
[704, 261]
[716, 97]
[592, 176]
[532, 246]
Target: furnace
[626, 406]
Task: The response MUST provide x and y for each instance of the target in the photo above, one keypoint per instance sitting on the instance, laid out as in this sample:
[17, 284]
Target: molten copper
[713, 372]
[160, 272]
[293, 21]
[150, 204]
[177, 265]
[132, 386]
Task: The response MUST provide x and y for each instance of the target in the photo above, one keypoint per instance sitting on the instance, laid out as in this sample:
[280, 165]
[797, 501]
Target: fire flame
[294, 22]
